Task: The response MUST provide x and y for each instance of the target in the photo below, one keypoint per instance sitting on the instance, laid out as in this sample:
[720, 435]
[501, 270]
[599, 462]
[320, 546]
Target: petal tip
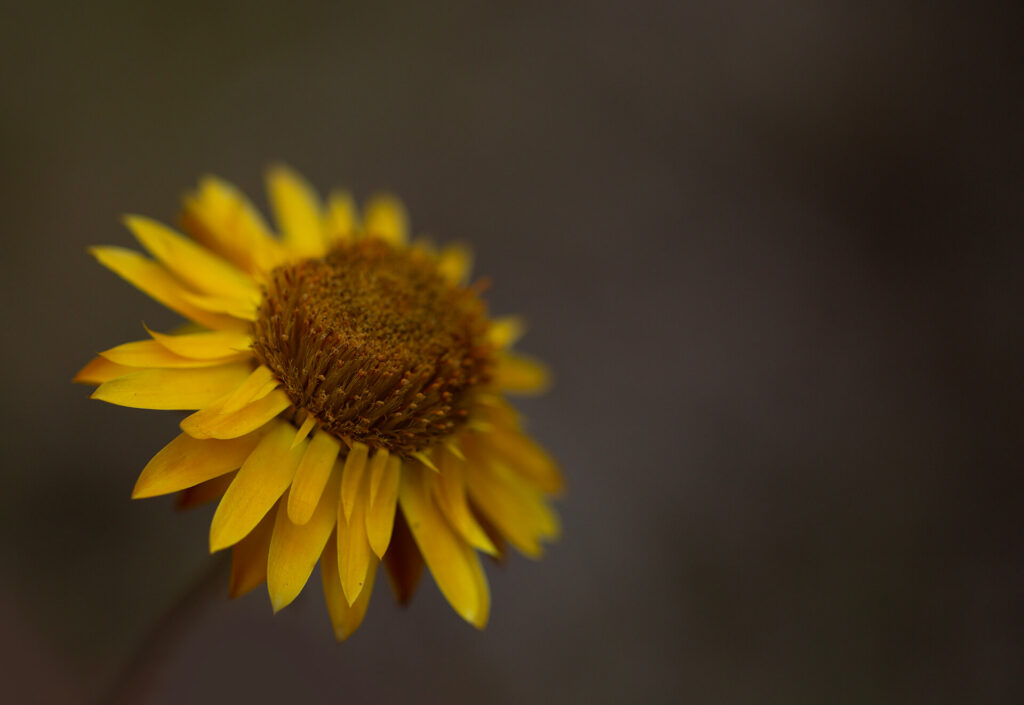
[299, 513]
[217, 542]
[131, 220]
[141, 492]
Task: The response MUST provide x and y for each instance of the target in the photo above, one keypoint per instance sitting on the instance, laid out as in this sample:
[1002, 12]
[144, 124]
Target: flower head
[347, 391]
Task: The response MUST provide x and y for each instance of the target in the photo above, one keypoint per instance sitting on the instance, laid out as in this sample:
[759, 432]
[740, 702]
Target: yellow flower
[347, 390]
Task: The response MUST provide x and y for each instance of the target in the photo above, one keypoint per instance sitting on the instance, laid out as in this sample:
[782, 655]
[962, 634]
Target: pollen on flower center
[375, 343]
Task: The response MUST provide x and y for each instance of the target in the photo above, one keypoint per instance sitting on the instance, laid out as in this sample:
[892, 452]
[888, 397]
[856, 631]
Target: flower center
[375, 344]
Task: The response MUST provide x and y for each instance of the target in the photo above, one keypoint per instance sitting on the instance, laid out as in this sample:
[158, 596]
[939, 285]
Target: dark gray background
[771, 250]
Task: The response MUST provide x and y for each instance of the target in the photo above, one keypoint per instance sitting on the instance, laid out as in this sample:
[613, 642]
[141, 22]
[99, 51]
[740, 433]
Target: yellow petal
[426, 460]
[524, 456]
[344, 617]
[298, 212]
[423, 245]
[295, 548]
[450, 492]
[257, 385]
[495, 408]
[455, 263]
[173, 389]
[311, 476]
[204, 492]
[249, 557]
[158, 283]
[262, 479]
[354, 555]
[214, 422]
[222, 219]
[101, 370]
[354, 465]
[192, 263]
[516, 509]
[403, 561]
[380, 520]
[378, 464]
[206, 345]
[341, 218]
[248, 406]
[496, 537]
[242, 309]
[453, 563]
[304, 429]
[505, 331]
[149, 353]
[386, 219]
[518, 374]
[453, 447]
[187, 461]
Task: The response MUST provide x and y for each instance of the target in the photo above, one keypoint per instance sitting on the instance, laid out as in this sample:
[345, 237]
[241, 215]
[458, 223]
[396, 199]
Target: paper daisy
[348, 397]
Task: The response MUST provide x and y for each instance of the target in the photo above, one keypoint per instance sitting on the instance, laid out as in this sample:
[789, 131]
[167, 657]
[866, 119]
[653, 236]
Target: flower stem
[143, 666]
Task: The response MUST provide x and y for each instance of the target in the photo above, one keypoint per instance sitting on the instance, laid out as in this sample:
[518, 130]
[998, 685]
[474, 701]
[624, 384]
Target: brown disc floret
[375, 343]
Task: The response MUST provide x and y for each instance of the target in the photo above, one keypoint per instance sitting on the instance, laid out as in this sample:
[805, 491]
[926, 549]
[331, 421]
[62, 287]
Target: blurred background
[772, 252]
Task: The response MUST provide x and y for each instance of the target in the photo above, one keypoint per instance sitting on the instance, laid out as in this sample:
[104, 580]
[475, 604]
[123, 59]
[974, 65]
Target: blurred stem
[143, 666]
